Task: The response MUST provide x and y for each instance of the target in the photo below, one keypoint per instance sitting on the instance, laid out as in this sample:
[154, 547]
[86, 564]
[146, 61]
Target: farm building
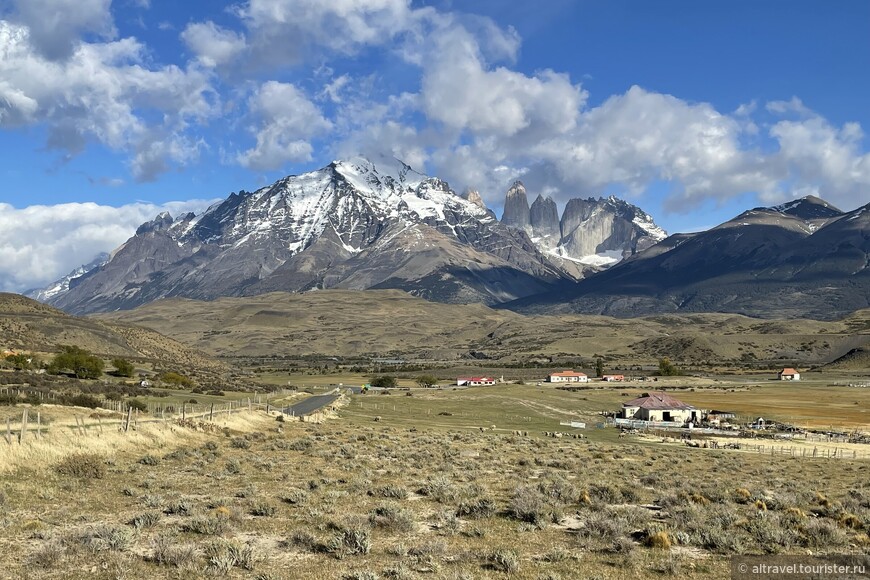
[474, 381]
[568, 377]
[656, 406]
[613, 378]
[789, 375]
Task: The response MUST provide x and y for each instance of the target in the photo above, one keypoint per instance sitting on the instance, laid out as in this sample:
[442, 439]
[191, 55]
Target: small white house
[474, 381]
[657, 406]
[568, 377]
[789, 375]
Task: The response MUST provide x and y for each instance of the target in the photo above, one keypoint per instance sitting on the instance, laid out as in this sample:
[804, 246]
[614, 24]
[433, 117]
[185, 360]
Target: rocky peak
[809, 207]
[516, 207]
[160, 223]
[544, 218]
[474, 197]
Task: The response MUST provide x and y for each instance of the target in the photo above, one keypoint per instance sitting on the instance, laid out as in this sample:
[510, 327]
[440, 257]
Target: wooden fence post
[183, 411]
[127, 423]
[8, 430]
[39, 425]
[23, 426]
[211, 413]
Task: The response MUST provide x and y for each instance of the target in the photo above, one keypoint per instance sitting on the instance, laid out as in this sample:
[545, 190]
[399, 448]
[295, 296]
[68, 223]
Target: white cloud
[212, 44]
[39, 244]
[284, 31]
[288, 120]
[56, 26]
[103, 92]
[822, 159]
[461, 91]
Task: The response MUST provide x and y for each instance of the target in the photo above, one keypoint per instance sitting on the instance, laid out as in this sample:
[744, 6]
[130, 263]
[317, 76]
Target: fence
[32, 425]
[824, 452]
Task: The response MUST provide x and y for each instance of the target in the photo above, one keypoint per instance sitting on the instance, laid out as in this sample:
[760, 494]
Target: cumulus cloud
[288, 120]
[461, 91]
[103, 92]
[56, 26]
[282, 31]
[212, 44]
[39, 244]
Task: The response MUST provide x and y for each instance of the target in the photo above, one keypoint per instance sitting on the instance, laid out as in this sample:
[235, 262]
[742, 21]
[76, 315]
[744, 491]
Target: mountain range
[354, 224]
[363, 224]
[805, 258]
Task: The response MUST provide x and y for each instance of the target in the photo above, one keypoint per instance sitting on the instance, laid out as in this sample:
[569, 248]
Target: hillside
[29, 325]
[805, 259]
[376, 323]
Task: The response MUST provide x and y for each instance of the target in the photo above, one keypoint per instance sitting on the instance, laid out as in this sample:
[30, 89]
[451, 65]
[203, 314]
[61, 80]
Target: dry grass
[351, 498]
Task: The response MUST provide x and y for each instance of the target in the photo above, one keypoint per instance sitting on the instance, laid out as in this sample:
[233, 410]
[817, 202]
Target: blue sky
[112, 110]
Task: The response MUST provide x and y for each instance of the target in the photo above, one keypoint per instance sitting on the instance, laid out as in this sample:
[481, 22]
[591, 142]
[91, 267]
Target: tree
[176, 379]
[79, 361]
[427, 381]
[599, 367]
[384, 382]
[123, 367]
[22, 362]
[667, 368]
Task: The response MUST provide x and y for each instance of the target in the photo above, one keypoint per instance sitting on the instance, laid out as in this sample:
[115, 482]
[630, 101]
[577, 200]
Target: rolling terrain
[389, 322]
[28, 325]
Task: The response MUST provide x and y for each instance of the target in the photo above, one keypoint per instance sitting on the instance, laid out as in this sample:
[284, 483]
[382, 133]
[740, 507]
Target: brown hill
[387, 322]
[29, 325]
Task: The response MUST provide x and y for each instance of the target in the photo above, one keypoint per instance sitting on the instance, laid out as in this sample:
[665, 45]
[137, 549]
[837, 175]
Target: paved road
[310, 405]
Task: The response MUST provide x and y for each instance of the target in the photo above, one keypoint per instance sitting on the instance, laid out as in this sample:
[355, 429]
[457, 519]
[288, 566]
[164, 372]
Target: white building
[568, 377]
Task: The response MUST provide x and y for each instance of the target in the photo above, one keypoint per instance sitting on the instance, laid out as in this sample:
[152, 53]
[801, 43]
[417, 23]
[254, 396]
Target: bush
[349, 542]
[83, 466]
[528, 505]
[479, 508]
[504, 561]
[384, 382]
[78, 361]
[176, 379]
[123, 368]
[393, 518]
[391, 491]
[206, 525]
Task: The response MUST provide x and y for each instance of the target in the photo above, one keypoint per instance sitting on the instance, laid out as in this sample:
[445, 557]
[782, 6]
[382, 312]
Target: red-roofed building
[568, 377]
[474, 381]
[789, 375]
[657, 406]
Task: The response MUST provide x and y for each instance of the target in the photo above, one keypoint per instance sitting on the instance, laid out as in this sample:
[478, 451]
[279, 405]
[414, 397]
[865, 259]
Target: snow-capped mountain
[591, 232]
[353, 224]
[62, 285]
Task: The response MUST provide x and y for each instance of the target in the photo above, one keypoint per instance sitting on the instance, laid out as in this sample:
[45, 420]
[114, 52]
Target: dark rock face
[544, 218]
[516, 207]
[592, 232]
[766, 262]
[353, 224]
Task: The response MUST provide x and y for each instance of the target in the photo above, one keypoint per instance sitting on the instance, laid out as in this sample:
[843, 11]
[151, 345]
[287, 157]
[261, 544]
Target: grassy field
[422, 486]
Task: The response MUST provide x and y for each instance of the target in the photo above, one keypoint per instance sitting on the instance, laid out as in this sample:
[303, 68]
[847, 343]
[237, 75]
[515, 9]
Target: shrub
[350, 541]
[504, 561]
[240, 443]
[145, 520]
[83, 466]
[393, 518]
[149, 460]
[528, 505]
[384, 382]
[181, 507]
[440, 488]
[224, 555]
[660, 540]
[213, 525]
[391, 491]
[137, 405]
[167, 552]
[479, 508]
[123, 367]
[263, 508]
